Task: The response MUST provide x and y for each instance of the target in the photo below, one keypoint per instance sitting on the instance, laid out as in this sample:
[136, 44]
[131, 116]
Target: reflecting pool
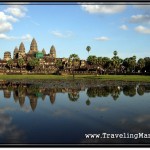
[35, 114]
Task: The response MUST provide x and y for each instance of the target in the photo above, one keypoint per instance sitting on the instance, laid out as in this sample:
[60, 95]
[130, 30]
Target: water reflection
[72, 112]
[33, 92]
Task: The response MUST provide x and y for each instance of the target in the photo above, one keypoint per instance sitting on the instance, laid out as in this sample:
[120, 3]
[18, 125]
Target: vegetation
[138, 78]
[88, 48]
[74, 59]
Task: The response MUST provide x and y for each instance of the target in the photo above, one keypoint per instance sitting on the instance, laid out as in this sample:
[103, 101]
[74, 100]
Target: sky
[71, 28]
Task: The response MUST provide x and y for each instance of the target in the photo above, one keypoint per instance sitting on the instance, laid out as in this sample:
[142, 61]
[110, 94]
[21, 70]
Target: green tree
[92, 59]
[21, 62]
[58, 63]
[141, 63]
[33, 63]
[132, 63]
[88, 48]
[106, 63]
[115, 53]
[147, 63]
[73, 58]
[10, 63]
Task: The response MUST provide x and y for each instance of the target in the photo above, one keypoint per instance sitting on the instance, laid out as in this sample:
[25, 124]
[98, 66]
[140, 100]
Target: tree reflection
[129, 90]
[141, 90]
[34, 92]
[88, 102]
[73, 95]
[115, 92]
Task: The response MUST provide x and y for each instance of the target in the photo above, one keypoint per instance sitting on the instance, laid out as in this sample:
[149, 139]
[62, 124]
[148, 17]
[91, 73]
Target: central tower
[33, 47]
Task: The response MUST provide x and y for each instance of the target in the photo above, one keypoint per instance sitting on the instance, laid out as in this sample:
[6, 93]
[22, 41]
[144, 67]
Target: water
[33, 114]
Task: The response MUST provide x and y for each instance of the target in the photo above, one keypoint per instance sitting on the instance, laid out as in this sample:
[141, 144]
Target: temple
[36, 61]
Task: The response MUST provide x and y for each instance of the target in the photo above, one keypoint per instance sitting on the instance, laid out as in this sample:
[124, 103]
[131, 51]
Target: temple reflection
[20, 91]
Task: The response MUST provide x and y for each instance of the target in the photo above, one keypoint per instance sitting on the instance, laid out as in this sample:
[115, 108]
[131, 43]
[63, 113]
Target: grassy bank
[69, 77]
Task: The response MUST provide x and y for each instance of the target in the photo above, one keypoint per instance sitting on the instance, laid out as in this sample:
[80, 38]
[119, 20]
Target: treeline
[118, 65]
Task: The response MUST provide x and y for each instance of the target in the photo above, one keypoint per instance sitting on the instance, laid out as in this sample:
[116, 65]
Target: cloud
[140, 19]
[6, 18]
[102, 109]
[103, 38]
[58, 34]
[5, 37]
[102, 9]
[143, 118]
[26, 37]
[5, 27]
[142, 29]
[124, 27]
[16, 10]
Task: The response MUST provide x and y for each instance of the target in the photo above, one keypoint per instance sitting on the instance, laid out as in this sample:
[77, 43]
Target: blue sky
[70, 28]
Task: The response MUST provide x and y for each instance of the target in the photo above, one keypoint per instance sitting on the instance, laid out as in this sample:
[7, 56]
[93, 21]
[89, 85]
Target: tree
[33, 63]
[106, 63]
[58, 63]
[92, 59]
[147, 64]
[141, 63]
[10, 63]
[132, 63]
[115, 53]
[88, 48]
[21, 62]
[116, 62]
[73, 58]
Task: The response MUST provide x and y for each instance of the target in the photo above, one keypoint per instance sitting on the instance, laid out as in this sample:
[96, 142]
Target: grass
[139, 78]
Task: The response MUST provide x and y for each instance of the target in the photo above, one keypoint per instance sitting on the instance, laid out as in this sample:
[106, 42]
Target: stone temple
[36, 61]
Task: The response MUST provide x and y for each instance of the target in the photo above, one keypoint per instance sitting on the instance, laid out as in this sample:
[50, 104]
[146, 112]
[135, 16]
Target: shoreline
[70, 83]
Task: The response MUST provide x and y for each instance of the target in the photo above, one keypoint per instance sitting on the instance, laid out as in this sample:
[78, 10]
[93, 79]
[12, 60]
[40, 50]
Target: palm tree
[116, 61]
[10, 63]
[132, 63]
[115, 53]
[88, 48]
[21, 62]
[73, 58]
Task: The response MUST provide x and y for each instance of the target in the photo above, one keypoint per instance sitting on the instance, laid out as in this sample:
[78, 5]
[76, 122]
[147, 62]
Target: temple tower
[33, 47]
[52, 52]
[7, 56]
[16, 51]
[21, 52]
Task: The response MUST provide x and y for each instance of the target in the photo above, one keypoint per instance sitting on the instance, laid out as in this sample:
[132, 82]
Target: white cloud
[58, 34]
[5, 37]
[26, 37]
[142, 29]
[101, 8]
[16, 10]
[5, 18]
[140, 19]
[103, 38]
[5, 26]
[124, 27]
